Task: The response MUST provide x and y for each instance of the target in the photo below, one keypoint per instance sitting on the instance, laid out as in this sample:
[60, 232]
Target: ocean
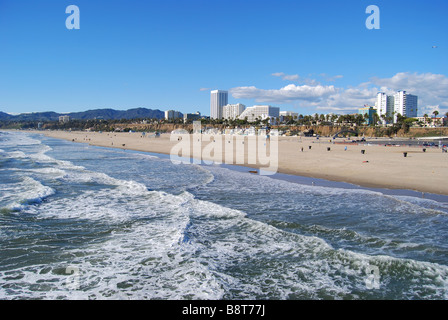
[85, 222]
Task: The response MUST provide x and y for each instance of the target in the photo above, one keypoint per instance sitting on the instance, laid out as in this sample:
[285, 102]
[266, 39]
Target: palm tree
[333, 118]
[322, 118]
[366, 118]
[435, 113]
[360, 119]
[400, 118]
[376, 119]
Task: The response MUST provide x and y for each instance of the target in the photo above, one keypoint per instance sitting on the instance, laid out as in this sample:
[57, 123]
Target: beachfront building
[260, 112]
[192, 116]
[405, 104]
[172, 115]
[64, 119]
[384, 106]
[370, 112]
[286, 114]
[218, 99]
[432, 121]
[232, 111]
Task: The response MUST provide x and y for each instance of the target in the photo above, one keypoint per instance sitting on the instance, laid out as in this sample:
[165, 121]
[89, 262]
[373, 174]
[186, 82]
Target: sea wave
[166, 246]
[130, 242]
[13, 139]
[21, 195]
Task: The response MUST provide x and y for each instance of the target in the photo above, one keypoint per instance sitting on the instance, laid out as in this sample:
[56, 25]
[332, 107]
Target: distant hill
[4, 116]
[111, 114]
[36, 116]
[106, 114]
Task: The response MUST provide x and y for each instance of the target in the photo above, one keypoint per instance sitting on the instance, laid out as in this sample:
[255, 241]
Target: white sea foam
[18, 139]
[145, 260]
[165, 246]
[189, 248]
[423, 205]
[53, 172]
[249, 182]
[143, 156]
[14, 154]
[312, 265]
[19, 196]
[210, 177]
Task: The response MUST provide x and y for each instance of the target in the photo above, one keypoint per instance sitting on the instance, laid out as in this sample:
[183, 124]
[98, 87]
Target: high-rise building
[171, 115]
[289, 114]
[370, 112]
[232, 111]
[218, 99]
[405, 104]
[385, 106]
[192, 116]
[286, 115]
[64, 119]
[390, 107]
[260, 112]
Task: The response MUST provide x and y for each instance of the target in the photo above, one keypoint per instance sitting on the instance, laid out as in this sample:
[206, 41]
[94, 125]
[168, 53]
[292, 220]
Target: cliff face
[372, 131]
[163, 127]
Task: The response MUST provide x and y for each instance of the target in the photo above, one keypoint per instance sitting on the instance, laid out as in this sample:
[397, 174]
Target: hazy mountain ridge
[106, 114]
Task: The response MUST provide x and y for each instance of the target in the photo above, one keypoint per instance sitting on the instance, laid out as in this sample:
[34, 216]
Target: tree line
[402, 122]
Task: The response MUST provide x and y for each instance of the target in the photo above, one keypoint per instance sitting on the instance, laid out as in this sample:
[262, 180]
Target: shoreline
[379, 168]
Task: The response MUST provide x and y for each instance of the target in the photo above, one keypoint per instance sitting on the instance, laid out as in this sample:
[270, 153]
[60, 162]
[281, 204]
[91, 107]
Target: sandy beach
[378, 167]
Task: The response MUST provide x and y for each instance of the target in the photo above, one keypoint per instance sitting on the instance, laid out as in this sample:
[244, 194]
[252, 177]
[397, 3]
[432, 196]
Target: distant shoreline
[379, 166]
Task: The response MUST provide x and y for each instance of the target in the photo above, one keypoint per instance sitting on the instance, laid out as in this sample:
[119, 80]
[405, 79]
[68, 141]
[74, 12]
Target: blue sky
[304, 56]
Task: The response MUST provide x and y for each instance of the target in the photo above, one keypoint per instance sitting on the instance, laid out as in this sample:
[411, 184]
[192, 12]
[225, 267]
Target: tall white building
[192, 116]
[385, 105]
[218, 99]
[381, 104]
[232, 111]
[284, 114]
[260, 112]
[289, 114]
[171, 115]
[405, 104]
[64, 119]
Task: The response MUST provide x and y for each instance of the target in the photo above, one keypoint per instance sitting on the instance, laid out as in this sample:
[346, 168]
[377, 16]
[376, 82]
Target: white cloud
[331, 78]
[336, 109]
[350, 99]
[289, 77]
[431, 89]
[289, 93]
[296, 78]
[204, 89]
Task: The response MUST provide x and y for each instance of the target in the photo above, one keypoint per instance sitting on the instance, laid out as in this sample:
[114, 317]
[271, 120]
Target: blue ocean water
[83, 222]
